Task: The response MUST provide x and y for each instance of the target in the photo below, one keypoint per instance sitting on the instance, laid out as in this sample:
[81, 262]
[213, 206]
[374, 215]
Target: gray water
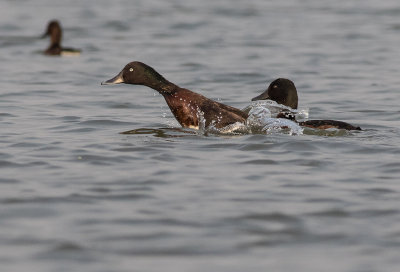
[76, 195]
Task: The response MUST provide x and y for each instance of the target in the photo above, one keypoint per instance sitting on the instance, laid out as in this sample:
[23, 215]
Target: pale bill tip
[115, 80]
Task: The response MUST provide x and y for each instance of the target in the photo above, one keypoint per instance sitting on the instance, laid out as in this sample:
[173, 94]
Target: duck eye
[275, 86]
[130, 69]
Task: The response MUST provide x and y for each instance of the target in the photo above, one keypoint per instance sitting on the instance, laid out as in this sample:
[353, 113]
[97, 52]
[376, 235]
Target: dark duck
[284, 92]
[189, 108]
[55, 49]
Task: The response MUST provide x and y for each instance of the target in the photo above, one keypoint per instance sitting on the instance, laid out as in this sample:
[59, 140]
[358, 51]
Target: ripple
[375, 213]
[380, 191]
[331, 213]
[104, 122]
[246, 12]
[188, 26]
[161, 132]
[9, 164]
[256, 146]
[392, 167]
[102, 160]
[43, 200]
[119, 197]
[280, 217]
[74, 130]
[7, 41]
[67, 251]
[125, 105]
[360, 213]
[116, 25]
[261, 162]
[4, 114]
[8, 180]
[68, 246]
[26, 144]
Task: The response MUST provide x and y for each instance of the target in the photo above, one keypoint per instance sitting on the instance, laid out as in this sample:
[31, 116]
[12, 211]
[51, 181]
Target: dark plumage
[187, 106]
[283, 91]
[324, 124]
[55, 32]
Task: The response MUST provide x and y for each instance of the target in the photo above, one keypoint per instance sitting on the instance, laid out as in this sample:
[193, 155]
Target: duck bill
[263, 96]
[115, 80]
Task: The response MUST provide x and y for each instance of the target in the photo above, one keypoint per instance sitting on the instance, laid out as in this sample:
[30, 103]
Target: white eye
[275, 86]
[130, 69]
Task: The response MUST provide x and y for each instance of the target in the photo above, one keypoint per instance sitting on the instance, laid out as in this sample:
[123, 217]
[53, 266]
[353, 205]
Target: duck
[189, 108]
[55, 49]
[284, 92]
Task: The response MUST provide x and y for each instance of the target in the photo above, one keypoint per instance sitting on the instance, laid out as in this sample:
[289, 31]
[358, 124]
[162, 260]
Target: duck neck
[163, 87]
[157, 82]
[55, 38]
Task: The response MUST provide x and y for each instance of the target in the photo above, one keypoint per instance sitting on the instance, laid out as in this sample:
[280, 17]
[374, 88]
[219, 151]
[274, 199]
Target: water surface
[77, 195]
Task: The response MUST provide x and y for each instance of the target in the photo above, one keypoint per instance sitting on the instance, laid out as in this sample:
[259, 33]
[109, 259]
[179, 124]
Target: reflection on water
[161, 132]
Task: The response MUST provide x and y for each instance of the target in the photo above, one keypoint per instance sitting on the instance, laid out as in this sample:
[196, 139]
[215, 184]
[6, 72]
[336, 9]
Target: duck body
[189, 108]
[55, 49]
[325, 124]
[283, 91]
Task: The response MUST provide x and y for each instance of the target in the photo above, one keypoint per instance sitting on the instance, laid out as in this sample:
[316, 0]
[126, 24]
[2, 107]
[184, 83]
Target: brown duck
[188, 107]
[55, 49]
[284, 92]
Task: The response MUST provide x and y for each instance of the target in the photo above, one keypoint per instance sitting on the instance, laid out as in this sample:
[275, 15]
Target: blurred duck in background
[55, 49]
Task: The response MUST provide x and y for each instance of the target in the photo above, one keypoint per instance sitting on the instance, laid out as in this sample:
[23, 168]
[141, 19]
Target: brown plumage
[188, 107]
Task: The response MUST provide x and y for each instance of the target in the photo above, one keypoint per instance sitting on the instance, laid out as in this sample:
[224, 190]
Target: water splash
[275, 109]
[262, 120]
[259, 121]
[274, 125]
[202, 120]
[258, 116]
[232, 129]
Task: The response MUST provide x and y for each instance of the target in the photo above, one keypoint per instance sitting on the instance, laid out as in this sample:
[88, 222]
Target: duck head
[54, 31]
[138, 73]
[282, 91]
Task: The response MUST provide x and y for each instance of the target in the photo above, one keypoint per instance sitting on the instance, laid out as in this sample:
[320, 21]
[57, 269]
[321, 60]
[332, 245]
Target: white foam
[282, 125]
[261, 119]
[235, 128]
[258, 116]
[276, 108]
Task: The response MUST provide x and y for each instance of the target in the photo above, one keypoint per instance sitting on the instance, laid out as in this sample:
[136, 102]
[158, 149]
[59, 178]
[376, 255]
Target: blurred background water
[76, 195]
